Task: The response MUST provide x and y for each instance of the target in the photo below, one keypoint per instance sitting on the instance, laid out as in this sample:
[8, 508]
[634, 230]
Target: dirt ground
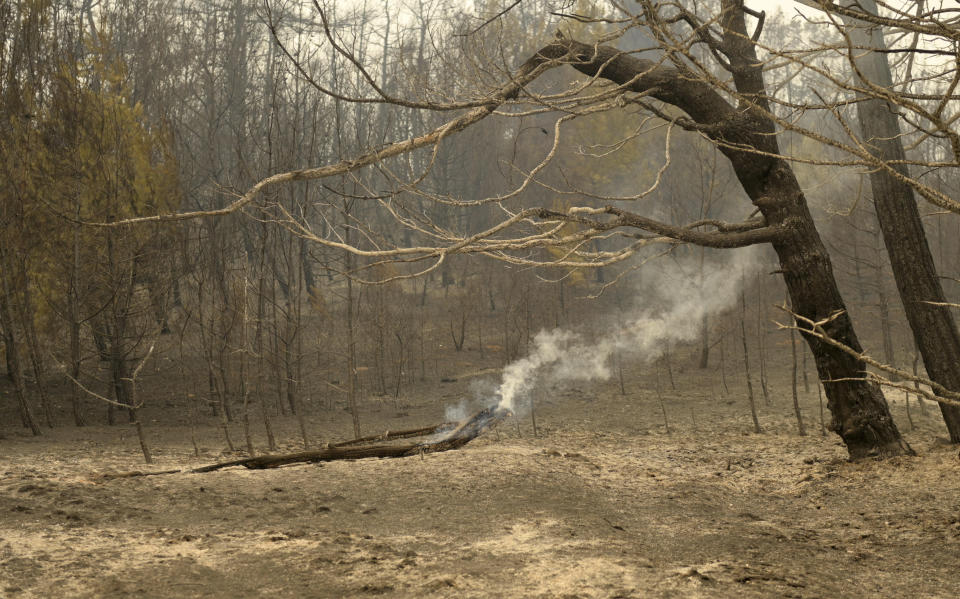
[605, 502]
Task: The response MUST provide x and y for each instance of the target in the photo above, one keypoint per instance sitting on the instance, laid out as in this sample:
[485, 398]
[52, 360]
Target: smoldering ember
[503, 298]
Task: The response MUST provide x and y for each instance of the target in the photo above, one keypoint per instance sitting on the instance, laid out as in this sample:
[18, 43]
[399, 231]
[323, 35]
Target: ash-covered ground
[605, 502]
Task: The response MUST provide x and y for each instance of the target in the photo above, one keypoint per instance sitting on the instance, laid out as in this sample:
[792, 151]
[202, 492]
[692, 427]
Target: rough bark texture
[934, 330]
[860, 412]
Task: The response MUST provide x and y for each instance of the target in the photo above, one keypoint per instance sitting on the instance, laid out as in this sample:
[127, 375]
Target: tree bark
[73, 302]
[351, 341]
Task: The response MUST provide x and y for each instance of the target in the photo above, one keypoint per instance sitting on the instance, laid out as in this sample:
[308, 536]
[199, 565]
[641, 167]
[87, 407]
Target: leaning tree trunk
[860, 413]
[934, 330]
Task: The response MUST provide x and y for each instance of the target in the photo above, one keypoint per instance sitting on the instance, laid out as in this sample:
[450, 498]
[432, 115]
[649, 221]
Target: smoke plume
[673, 308]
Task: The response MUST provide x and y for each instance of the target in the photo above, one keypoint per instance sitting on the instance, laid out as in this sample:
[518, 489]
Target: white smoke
[564, 355]
[481, 390]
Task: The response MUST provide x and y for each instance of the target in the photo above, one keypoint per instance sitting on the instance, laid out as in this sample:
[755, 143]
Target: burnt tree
[745, 133]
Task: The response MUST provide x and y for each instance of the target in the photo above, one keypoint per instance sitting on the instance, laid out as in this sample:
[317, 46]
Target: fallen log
[414, 432]
[443, 437]
[252, 462]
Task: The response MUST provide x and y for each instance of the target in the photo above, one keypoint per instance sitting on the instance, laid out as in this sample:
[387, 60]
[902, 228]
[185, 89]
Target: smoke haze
[672, 311]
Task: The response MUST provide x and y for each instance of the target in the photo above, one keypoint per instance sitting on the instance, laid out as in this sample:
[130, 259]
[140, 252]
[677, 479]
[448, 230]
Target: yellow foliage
[86, 154]
[122, 167]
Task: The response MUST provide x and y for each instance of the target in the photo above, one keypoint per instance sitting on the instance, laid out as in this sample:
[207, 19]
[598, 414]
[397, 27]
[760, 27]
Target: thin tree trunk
[667, 362]
[242, 373]
[291, 331]
[135, 413]
[746, 356]
[119, 374]
[801, 430]
[264, 413]
[423, 353]
[221, 376]
[761, 342]
[381, 349]
[533, 415]
[351, 341]
[663, 408]
[13, 353]
[219, 384]
[401, 360]
[258, 341]
[298, 362]
[141, 436]
[623, 386]
[906, 399]
[73, 302]
[704, 341]
[277, 354]
[916, 384]
[33, 347]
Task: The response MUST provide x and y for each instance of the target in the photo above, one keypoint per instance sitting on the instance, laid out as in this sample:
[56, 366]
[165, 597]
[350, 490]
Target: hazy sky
[771, 6]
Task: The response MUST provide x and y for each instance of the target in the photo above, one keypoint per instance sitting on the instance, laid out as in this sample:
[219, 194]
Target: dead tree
[746, 136]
